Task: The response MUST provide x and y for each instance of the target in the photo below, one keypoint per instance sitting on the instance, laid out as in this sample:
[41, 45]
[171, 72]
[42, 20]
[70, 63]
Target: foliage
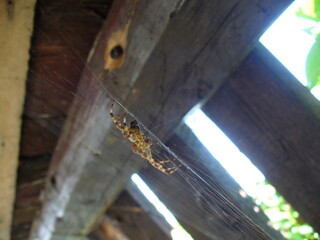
[283, 217]
[311, 11]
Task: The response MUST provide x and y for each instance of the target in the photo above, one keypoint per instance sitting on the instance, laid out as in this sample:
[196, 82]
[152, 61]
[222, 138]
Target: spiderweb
[200, 194]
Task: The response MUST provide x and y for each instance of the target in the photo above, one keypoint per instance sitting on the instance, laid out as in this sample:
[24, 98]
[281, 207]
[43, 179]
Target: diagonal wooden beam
[271, 117]
[90, 167]
[208, 194]
[107, 229]
[134, 216]
[186, 140]
[16, 20]
[149, 208]
[139, 222]
[194, 45]
[204, 42]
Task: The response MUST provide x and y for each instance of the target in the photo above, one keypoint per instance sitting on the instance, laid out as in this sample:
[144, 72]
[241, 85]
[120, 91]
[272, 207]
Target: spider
[141, 145]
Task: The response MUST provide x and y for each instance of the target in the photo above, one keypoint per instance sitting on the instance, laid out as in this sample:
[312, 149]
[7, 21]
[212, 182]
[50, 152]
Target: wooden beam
[90, 166]
[196, 234]
[108, 230]
[16, 20]
[51, 86]
[287, 78]
[186, 140]
[193, 43]
[149, 208]
[212, 204]
[202, 205]
[137, 223]
[203, 43]
[268, 121]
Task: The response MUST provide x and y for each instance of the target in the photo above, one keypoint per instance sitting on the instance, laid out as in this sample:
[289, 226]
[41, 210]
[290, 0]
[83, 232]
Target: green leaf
[310, 10]
[317, 8]
[313, 65]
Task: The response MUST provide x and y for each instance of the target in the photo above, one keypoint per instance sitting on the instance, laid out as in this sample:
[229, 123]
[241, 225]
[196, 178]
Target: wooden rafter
[51, 85]
[214, 171]
[108, 229]
[195, 43]
[203, 43]
[86, 150]
[208, 194]
[16, 20]
[271, 118]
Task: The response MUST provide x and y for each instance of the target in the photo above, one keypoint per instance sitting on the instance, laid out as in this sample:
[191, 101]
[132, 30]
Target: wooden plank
[212, 204]
[108, 230]
[186, 140]
[16, 20]
[231, 34]
[270, 123]
[196, 233]
[192, 59]
[49, 95]
[149, 208]
[203, 43]
[202, 205]
[90, 166]
[287, 78]
[29, 187]
[135, 221]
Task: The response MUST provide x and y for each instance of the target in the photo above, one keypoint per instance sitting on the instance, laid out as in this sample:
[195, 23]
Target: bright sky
[221, 147]
[177, 232]
[290, 44]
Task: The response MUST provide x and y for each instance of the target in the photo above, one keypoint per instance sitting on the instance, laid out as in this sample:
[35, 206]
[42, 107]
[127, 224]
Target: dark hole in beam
[116, 52]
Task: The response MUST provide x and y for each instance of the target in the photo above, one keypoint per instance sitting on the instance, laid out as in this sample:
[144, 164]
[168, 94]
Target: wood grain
[91, 165]
[135, 221]
[269, 122]
[194, 151]
[192, 46]
[54, 71]
[203, 43]
[16, 20]
[204, 198]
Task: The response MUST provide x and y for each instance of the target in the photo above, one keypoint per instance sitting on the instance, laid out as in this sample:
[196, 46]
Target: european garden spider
[141, 145]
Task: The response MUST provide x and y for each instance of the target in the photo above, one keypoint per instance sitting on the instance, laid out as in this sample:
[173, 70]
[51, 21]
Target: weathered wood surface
[57, 57]
[89, 168]
[135, 221]
[270, 123]
[203, 43]
[159, 219]
[192, 147]
[149, 208]
[108, 229]
[206, 199]
[31, 178]
[287, 78]
[16, 21]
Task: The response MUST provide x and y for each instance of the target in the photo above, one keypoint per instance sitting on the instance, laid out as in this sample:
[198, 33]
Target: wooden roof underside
[177, 55]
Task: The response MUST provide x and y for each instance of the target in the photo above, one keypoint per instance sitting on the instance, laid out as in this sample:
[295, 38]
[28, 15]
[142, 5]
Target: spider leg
[147, 155]
[162, 168]
[152, 143]
[171, 170]
[162, 162]
[115, 119]
[166, 161]
[124, 118]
